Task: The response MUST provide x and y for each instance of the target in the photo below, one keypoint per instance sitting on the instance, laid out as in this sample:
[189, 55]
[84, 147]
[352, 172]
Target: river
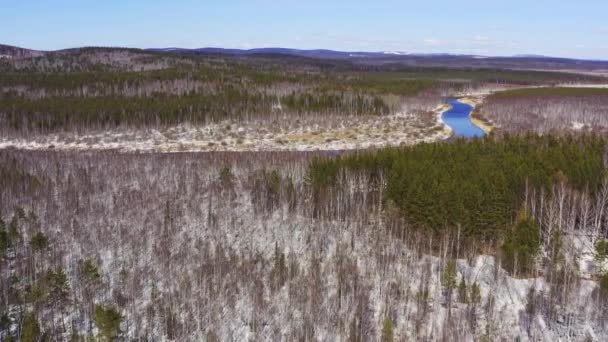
[459, 119]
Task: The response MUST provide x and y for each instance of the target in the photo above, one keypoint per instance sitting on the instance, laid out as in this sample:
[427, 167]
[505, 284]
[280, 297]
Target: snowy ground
[341, 133]
[566, 85]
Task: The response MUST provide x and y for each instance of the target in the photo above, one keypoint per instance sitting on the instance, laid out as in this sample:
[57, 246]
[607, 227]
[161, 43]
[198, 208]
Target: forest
[135, 204]
[149, 88]
[483, 192]
[548, 110]
[324, 243]
[50, 102]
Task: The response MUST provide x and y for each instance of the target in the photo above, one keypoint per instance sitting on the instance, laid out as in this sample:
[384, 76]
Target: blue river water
[459, 120]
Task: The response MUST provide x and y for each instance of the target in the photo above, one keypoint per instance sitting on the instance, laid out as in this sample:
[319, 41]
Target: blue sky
[490, 27]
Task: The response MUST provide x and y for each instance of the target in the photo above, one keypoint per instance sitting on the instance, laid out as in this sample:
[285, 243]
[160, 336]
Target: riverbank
[481, 123]
[447, 130]
[485, 125]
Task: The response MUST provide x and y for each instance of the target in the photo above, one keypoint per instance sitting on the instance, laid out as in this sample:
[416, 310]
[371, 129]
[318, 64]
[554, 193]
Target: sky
[561, 28]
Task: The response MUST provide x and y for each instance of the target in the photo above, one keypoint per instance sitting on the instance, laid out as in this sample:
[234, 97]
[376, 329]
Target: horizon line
[387, 52]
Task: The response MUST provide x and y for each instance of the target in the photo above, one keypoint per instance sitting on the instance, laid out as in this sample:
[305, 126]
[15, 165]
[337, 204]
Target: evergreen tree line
[43, 102]
[118, 83]
[475, 189]
[58, 114]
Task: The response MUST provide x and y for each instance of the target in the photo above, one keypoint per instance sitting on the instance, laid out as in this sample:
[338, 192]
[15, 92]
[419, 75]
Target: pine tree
[387, 330]
[39, 242]
[448, 280]
[90, 271]
[522, 244]
[601, 250]
[108, 322]
[58, 285]
[30, 332]
[462, 292]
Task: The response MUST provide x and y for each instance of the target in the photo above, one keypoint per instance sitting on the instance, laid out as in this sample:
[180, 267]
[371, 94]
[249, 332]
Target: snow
[583, 85]
[397, 53]
[341, 134]
[578, 125]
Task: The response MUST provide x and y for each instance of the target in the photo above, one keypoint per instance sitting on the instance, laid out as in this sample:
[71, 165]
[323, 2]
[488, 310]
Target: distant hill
[415, 59]
[316, 53]
[9, 51]
[384, 58]
[19, 52]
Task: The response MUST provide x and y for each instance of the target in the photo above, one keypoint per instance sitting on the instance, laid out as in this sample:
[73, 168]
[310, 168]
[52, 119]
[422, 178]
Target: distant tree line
[197, 94]
[547, 110]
